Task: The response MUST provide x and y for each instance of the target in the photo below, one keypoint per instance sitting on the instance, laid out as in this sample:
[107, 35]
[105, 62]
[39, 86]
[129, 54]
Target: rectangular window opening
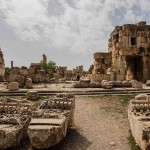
[133, 40]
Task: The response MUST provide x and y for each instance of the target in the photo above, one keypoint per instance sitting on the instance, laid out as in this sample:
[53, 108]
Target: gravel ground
[100, 124]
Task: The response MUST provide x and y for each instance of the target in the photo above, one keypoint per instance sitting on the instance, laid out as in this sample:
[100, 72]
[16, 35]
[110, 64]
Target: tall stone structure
[2, 67]
[129, 53]
[129, 46]
[44, 58]
[102, 62]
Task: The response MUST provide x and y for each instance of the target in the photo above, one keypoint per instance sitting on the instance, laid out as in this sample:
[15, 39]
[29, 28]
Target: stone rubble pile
[139, 118]
[108, 84]
[45, 126]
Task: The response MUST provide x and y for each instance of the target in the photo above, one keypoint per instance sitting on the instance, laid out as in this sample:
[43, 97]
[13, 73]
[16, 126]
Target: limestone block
[109, 70]
[32, 95]
[11, 135]
[95, 85]
[126, 84]
[78, 85]
[85, 84]
[24, 72]
[99, 55]
[96, 77]
[107, 61]
[97, 66]
[117, 83]
[148, 83]
[2, 71]
[13, 86]
[103, 81]
[112, 76]
[122, 71]
[31, 70]
[17, 78]
[107, 77]
[138, 115]
[28, 83]
[1, 60]
[107, 85]
[132, 81]
[104, 66]
[120, 77]
[85, 79]
[98, 85]
[137, 85]
[96, 62]
[141, 97]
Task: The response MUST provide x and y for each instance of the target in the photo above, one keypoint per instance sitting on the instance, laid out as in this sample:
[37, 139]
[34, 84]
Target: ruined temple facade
[128, 54]
[2, 67]
[73, 74]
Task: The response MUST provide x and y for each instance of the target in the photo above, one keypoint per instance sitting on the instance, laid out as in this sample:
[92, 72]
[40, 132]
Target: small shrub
[7, 71]
[126, 98]
[23, 87]
[43, 97]
[141, 49]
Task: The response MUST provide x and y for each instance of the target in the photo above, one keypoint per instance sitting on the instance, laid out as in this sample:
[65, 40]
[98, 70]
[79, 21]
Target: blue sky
[67, 31]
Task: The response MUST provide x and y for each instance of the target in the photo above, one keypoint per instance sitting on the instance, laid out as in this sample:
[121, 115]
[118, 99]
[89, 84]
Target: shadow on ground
[73, 141]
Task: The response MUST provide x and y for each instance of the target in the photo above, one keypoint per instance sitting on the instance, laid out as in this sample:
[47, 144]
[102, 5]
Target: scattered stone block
[139, 118]
[32, 95]
[28, 83]
[78, 85]
[126, 84]
[107, 85]
[56, 116]
[13, 86]
[116, 83]
[148, 83]
[85, 84]
[141, 97]
[98, 85]
[137, 85]
[14, 121]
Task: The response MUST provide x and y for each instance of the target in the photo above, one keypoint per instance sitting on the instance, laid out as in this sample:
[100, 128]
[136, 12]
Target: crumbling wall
[2, 67]
[129, 44]
[102, 62]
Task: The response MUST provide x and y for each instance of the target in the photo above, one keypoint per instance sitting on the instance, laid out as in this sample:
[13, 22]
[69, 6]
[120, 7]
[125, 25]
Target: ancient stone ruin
[139, 118]
[14, 121]
[45, 126]
[50, 122]
[2, 67]
[128, 55]
[74, 74]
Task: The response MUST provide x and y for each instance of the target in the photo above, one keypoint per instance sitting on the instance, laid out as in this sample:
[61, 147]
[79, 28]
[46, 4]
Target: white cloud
[72, 26]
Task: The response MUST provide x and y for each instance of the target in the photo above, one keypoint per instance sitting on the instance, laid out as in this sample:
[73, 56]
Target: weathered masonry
[128, 54]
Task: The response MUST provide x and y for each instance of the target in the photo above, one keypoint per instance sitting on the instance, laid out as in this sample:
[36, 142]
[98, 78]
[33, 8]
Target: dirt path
[101, 124]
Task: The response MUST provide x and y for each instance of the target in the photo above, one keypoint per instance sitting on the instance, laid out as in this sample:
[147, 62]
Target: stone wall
[2, 67]
[128, 55]
[102, 62]
[129, 46]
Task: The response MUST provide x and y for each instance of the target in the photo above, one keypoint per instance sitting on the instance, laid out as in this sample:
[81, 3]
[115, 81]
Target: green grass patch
[22, 87]
[126, 98]
[132, 143]
[43, 97]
